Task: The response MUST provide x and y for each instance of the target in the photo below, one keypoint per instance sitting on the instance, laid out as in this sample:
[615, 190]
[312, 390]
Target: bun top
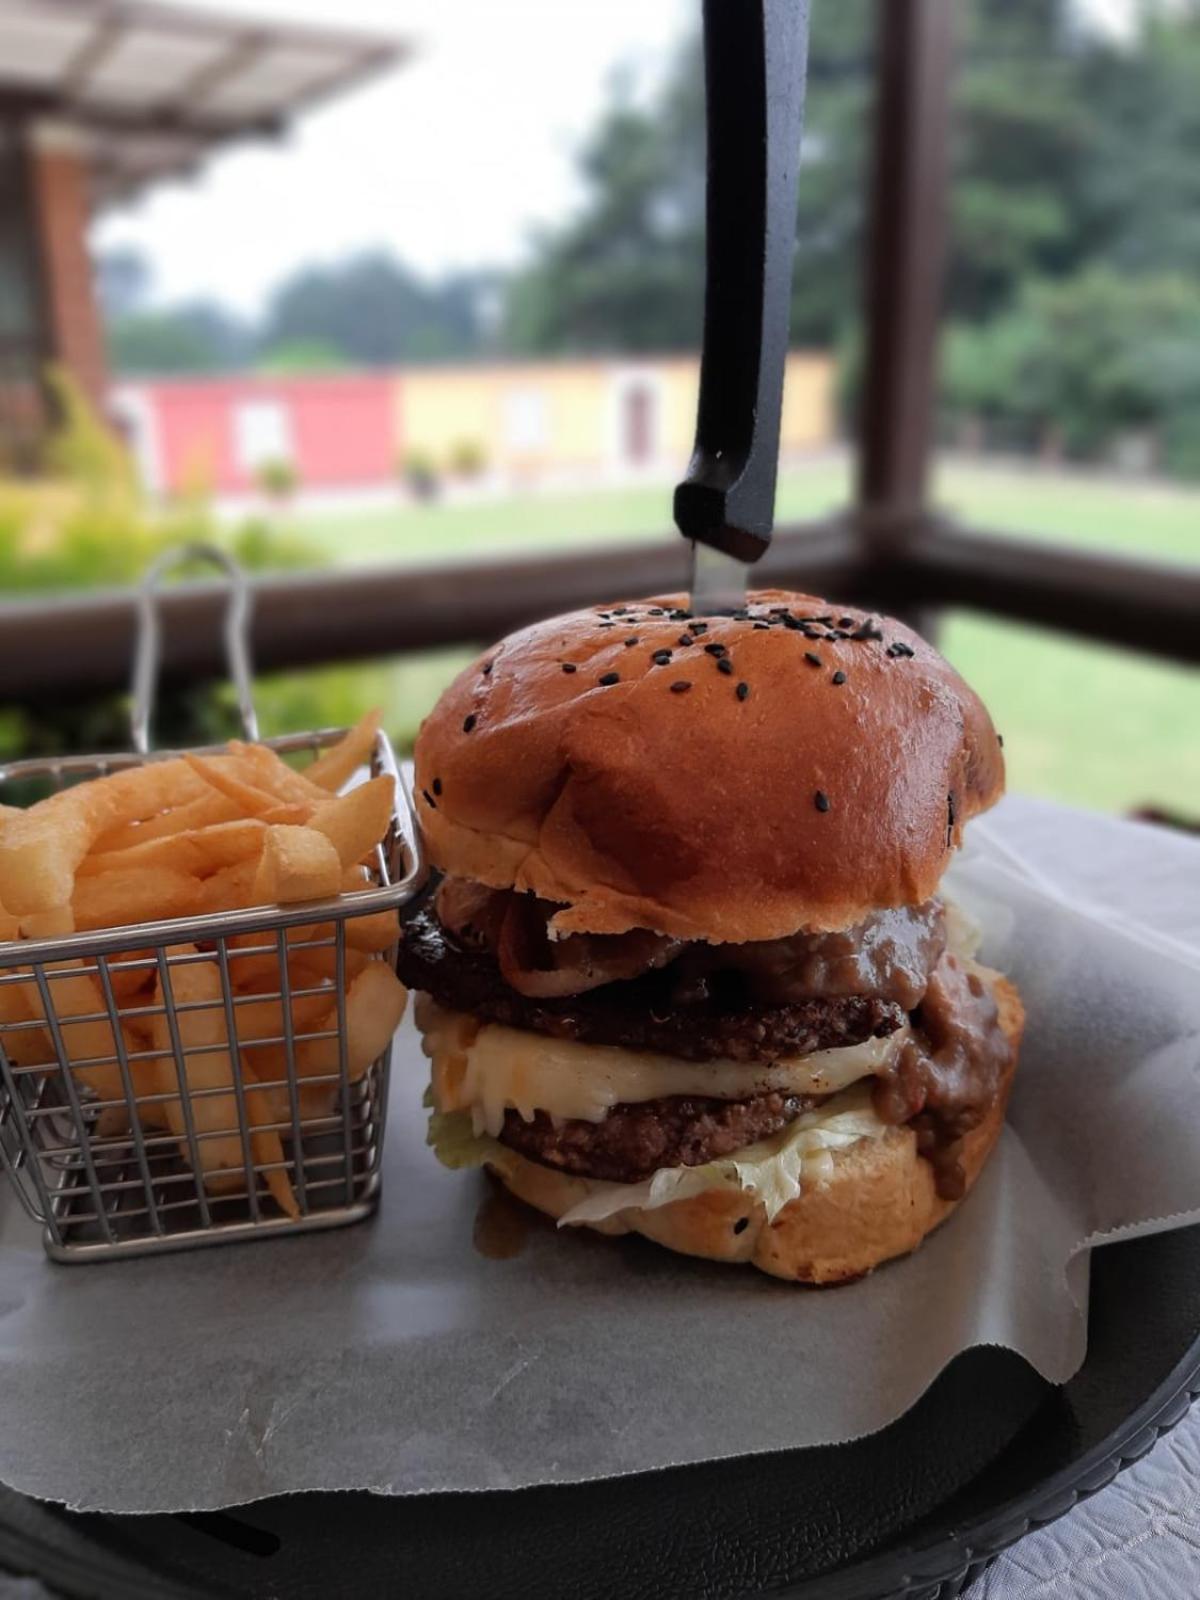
[798, 764]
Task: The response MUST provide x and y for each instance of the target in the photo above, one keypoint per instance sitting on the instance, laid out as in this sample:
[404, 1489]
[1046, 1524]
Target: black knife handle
[754, 61]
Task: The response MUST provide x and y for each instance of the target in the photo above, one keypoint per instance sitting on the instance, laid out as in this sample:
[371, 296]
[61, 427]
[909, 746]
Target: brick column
[62, 210]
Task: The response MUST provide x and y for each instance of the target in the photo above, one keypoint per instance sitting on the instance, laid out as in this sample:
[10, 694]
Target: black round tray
[916, 1511]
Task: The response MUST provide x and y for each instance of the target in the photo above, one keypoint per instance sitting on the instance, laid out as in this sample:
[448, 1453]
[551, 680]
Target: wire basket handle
[149, 641]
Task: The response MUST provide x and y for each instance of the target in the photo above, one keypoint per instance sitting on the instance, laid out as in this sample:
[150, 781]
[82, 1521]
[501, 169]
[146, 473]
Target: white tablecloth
[1138, 1539]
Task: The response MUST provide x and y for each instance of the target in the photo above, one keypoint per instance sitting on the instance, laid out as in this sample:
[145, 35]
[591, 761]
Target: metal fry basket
[178, 1083]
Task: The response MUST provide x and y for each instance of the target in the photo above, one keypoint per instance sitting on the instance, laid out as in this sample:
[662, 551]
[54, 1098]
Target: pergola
[98, 99]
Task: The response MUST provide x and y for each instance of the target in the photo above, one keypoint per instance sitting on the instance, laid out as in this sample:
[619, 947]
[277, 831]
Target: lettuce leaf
[773, 1170]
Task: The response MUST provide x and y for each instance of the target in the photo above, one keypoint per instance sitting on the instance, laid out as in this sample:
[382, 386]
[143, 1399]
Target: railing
[80, 644]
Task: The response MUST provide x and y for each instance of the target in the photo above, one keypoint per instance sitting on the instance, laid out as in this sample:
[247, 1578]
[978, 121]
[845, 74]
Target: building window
[525, 419]
[262, 432]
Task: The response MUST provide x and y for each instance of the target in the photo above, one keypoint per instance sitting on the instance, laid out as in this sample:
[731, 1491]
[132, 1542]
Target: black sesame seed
[949, 819]
[469, 723]
[715, 650]
[631, 641]
[569, 666]
[839, 678]
[608, 624]
[868, 630]
[686, 639]
[428, 799]
[899, 648]
[724, 665]
[821, 800]
[813, 658]
[762, 627]
[486, 669]
[845, 622]
[607, 679]
[661, 657]
[1000, 740]
[437, 786]
[680, 686]
[656, 611]
[743, 690]
[699, 627]
[741, 1225]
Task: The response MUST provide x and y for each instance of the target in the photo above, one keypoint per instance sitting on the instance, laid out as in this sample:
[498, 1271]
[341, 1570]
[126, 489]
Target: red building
[219, 434]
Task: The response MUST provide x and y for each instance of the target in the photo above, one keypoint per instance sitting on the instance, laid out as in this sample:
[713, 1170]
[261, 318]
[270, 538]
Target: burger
[684, 969]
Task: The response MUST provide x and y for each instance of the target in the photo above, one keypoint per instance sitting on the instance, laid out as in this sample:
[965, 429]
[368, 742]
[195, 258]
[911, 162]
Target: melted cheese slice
[485, 1069]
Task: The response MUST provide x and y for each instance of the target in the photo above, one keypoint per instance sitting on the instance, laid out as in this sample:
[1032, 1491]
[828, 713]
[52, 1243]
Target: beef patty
[646, 1013]
[634, 1141]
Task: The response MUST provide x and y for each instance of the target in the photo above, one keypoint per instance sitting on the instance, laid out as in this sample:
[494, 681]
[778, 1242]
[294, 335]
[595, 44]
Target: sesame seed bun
[879, 1201]
[729, 788]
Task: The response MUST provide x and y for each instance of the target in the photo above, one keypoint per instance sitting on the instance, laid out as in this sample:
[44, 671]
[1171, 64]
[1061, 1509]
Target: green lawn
[1095, 726]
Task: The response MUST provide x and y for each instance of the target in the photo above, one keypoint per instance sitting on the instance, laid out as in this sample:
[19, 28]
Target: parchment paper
[396, 1357]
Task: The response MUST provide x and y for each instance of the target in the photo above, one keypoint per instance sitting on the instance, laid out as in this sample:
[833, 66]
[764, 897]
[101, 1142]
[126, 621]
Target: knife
[754, 64]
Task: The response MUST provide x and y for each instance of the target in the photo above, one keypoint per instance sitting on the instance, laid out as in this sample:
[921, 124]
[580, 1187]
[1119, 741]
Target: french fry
[54, 923]
[207, 1064]
[135, 894]
[263, 767]
[296, 864]
[41, 848]
[132, 983]
[200, 851]
[207, 810]
[375, 1003]
[374, 933]
[230, 889]
[339, 763]
[78, 995]
[24, 1046]
[251, 800]
[356, 821]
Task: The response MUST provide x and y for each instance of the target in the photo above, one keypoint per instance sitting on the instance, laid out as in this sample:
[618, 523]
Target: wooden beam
[83, 644]
[905, 243]
[1150, 607]
[100, 43]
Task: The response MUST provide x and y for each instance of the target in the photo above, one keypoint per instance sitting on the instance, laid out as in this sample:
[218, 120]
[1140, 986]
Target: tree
[123, 280]
[300, 356]
[1050, 169]
[1089, 357]
[200, 337]
[372, 311]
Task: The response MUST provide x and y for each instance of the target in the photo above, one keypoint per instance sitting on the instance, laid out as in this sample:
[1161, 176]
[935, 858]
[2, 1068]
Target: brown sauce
[944, 1080]
[502, 1224]
[886, 957]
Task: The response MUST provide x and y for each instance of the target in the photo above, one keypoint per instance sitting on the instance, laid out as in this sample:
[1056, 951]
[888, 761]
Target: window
[262, 432]
[525, 425]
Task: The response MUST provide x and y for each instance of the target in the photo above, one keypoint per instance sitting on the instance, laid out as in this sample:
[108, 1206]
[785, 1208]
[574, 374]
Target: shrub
[419, 472]
[468, 459]
[277, 477]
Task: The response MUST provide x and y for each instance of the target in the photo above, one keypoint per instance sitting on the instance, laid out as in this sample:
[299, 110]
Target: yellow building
[538, 421]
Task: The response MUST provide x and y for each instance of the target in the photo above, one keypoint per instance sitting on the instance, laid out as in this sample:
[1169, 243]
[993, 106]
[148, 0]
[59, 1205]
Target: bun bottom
[878, 1203]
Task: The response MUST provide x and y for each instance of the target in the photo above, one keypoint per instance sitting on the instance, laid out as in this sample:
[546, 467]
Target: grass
[1082, 723]
[443, 532]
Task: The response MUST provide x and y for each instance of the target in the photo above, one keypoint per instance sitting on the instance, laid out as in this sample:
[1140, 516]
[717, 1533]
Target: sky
[449, 161]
